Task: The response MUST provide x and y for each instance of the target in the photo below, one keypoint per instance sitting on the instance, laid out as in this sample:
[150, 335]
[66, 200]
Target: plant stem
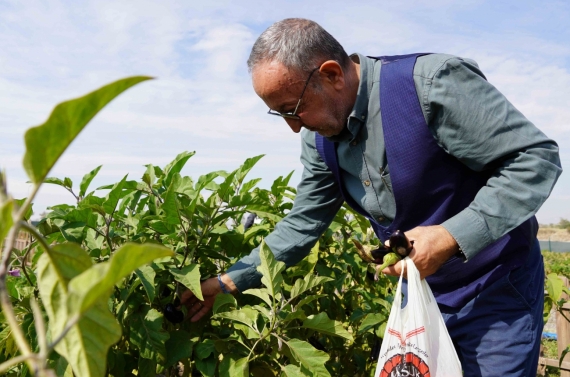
[24, 261]
[72, 322]
[14, 361]
[34, 232]
[108, 230]
[5, 301]
[75, 196]
[40, 330]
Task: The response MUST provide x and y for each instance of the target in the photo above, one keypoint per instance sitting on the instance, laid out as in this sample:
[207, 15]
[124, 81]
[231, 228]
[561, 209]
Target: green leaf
[298, 314]
[261, 293]
[189, 276]
[247, 166]
[98, 281]
[205, 348]
[265, 214]
[307, 299]
[310, 358]
[293, 371]
[207, 366]
[69, 260]
[74, 232]
[170, 205]
[322, 323]
[176, 166]
[178, 347]
[146, 275]
[279, 186]
[307, 264]
[19, 203]
[54, 181]
[234, 368]
[85, 346]
[223, 300]
[371, 320]
[149, 177]
[271, 270]
[225, 188]
[255, 230]
[84, 216]
[264, 311]
[6, 220]
[249, 185]
[46, 143]
[146, 368]
[148, 335]
[245, 315]
[554, 286]
[87, 178]
[67, 183]
[309, 282]
[114, 196]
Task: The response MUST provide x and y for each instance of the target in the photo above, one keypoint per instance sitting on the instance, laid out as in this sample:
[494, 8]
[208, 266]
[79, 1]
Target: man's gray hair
[298, 44]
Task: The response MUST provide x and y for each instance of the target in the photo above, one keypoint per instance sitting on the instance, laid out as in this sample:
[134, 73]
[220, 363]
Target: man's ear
[332, 73]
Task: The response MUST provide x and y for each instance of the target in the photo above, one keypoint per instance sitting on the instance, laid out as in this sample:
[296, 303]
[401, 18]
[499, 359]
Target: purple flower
[15, 272]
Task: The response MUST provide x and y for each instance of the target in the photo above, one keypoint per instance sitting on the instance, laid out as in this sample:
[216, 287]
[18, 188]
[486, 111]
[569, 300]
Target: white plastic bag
[416, 342]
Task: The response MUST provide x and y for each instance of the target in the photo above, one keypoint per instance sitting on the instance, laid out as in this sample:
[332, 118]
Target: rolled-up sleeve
[316, 203]
[475, 123]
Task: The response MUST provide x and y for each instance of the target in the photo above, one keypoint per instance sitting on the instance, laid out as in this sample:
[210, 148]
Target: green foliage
[319, 318]
[106, 267]
[557, 263]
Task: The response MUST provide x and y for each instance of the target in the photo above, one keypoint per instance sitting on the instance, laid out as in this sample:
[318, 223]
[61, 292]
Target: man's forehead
[271, 77]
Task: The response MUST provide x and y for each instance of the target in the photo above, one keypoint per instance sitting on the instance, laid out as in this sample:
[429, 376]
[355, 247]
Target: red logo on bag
[410, 366]
[408, 335]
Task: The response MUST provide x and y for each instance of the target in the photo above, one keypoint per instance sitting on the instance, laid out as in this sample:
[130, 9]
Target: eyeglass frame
[293, 115]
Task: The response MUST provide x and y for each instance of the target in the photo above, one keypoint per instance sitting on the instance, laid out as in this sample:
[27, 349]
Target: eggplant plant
[96, 292]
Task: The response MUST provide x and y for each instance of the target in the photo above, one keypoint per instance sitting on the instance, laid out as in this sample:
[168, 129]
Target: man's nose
[294, 124]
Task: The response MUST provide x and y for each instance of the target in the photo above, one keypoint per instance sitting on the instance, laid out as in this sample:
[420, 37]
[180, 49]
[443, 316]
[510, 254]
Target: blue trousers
[498, 333]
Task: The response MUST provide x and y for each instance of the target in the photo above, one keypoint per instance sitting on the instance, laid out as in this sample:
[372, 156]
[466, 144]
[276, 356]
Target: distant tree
[564, 224]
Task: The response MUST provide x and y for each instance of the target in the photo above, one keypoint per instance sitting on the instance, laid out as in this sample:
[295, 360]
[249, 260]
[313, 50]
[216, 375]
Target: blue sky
[202, 99]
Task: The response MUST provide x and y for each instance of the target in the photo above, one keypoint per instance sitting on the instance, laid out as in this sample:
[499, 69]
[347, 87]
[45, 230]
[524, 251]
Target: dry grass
[555, 234]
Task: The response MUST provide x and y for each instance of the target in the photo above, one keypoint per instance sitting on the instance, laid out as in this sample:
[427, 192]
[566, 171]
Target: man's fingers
[197, 311]
[186, 297]
[194, 307]
[202, 312]
[395, 269]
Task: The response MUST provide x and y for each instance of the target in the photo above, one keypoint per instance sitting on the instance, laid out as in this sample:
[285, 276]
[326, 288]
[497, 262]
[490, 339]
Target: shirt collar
[360, 109]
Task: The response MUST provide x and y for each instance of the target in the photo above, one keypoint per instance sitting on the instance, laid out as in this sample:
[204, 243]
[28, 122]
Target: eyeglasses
[293, 115]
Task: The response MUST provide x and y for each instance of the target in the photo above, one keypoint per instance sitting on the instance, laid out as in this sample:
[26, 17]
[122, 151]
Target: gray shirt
[468, 117]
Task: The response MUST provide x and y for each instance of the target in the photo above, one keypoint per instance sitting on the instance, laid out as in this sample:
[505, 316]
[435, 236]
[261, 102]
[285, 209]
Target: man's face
[321, 108]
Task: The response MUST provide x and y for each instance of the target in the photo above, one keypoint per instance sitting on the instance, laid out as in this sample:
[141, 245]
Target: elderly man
[425, 144]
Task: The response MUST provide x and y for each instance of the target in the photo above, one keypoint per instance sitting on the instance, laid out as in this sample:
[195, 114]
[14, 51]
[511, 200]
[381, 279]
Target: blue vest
[430, 186]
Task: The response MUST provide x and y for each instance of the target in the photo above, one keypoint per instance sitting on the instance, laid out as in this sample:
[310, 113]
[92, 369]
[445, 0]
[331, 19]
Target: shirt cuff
[244, 276]
[470, 231]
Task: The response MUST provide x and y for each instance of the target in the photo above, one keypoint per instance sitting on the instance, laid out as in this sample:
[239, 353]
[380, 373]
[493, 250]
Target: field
[120, 254]
[558, 263]
[553, 233]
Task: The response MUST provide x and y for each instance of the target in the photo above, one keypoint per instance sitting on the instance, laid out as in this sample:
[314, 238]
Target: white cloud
[202, 99]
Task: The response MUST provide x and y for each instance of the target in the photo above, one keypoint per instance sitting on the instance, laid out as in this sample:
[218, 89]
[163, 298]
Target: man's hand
[210, 289]
[433, 246]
